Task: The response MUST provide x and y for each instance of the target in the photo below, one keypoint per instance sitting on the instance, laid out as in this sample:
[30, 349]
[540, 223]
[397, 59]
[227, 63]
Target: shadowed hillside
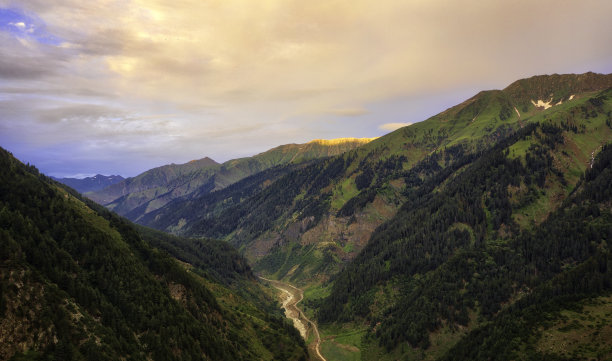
[151, 190]
[78, 282]
[310, 220]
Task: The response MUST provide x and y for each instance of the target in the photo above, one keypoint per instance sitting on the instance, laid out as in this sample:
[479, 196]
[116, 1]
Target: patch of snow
[560, 102]
[542, 104]
[517, 112]
[571, 97]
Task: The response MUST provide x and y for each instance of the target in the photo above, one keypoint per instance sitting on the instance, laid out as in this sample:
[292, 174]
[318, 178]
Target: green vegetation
[345, 191]
[153, 189]
[583, 332]
[78, 282]
[300, 262]
[480, 233]
[343, 199]
[444, 276]
[342, 344]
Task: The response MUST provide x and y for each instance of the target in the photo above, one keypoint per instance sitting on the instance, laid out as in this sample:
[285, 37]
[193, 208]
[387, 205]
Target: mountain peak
[102, 176]
[206, 161]
[555, 88]
[89, 184]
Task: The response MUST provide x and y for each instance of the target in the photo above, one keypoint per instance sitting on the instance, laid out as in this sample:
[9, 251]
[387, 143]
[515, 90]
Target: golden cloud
[393, 126]
[233, 52]
[280, 64]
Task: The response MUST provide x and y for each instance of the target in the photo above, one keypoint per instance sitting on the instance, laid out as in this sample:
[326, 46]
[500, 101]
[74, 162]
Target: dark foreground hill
[79, 283]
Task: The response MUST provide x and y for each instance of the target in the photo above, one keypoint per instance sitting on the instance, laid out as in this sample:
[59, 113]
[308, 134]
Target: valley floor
[290, 297]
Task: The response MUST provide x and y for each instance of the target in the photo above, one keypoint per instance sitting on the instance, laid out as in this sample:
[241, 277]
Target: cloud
[244, 51]
[273, 67]
[349, 112]
[19, 59]
[393, 126]
[240, 50]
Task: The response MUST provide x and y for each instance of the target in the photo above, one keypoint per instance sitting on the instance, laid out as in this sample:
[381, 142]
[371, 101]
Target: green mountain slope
[516, 221]
[152, 189]
[311, 220]
[423, 237]
[569, 316]
[78, 282]
[157, 181]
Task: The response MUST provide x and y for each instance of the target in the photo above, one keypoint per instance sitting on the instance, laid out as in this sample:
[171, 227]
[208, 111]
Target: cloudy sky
[118, 87]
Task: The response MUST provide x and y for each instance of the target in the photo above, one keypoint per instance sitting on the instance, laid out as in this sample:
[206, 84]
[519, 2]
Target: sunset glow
[122, 86]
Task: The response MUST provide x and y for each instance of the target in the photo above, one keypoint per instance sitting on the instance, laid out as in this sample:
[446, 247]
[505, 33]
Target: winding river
[291, 296]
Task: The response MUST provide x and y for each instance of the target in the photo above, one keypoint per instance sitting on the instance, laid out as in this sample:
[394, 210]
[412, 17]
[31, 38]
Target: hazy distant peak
[112, 176]
[88, 184]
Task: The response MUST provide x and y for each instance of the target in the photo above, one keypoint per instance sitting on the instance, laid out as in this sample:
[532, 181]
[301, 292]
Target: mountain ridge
[466, 127]
[482, 232]
[154, 188]
[90, 184]
[375, 234]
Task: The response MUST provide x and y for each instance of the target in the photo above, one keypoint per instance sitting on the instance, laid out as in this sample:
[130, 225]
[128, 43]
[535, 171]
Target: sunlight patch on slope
[339, 141]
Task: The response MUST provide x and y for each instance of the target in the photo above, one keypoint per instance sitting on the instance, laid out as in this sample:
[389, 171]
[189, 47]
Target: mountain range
[377, 233]
[90, 184]
[151, 190]
[481, 233]
[340, 201]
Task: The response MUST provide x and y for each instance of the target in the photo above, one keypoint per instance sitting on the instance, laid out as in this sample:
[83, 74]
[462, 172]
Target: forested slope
[571, 249]
[309, 221]
[135, 197]
[78, 282]
[518, 222]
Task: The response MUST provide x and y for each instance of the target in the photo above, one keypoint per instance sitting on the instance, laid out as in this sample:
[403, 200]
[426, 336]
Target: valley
[288, 180]
[409, 245]
[480, 233]
[290, 297]
[78, 282]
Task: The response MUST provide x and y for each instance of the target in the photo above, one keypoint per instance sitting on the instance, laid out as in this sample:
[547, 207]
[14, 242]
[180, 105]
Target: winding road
[293, 296]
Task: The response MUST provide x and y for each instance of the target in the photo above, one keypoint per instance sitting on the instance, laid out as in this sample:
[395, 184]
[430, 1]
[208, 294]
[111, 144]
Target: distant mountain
[137, 196]
[90, 184]
[158, 180]
[77, 282]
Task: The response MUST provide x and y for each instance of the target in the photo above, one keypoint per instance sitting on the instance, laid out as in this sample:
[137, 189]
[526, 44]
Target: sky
[119, 87]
